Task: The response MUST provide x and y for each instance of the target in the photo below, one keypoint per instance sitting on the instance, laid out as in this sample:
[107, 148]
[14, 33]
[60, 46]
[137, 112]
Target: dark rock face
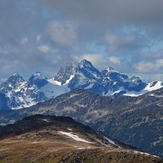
[3, 102]
[64, 73]
[12, 82]
[38, 80]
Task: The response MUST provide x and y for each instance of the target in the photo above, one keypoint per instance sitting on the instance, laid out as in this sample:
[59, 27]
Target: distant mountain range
[19, 93]
[42, 139]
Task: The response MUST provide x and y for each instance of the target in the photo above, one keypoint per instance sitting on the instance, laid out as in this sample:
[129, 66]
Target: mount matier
[19, 93]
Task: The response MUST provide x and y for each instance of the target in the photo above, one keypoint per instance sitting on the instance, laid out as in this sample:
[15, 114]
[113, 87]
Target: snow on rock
[55, 82]
[149, 87]
[133, 94]
[144, 153]
[67, 81]
[111, 142]
[74, 137]
[54, 88]
[154, 86]
[45, 120]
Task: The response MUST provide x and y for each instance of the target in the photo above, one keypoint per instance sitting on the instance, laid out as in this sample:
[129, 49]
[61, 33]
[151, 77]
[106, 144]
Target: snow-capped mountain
[21, 93]
[38, 88]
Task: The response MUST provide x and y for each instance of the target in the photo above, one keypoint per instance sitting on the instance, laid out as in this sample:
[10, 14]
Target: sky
[43, 35]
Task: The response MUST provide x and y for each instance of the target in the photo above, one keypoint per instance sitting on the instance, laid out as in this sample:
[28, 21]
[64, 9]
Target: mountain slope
[137, 121]
[59, 139]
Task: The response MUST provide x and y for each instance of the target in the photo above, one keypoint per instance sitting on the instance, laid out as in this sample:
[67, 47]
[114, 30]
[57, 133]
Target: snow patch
[54, 88]
[144, 153]
[151, 87]
[111, 142]
[133, 94]
[67, 81]
[74, 137]
[89, 86]
[55, 82]
[45, 120]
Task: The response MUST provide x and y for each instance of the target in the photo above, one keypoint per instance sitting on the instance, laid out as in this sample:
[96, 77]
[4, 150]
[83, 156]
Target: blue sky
[42, 35]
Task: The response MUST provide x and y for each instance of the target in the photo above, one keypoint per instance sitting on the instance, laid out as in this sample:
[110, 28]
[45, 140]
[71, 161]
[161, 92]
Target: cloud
[115, 60]
[148, 67]
[125, 43]
[24, 40]
[42, 35]
[62, 32]
[101, 61]
[98, 60]
[131, 11]
[44, 48]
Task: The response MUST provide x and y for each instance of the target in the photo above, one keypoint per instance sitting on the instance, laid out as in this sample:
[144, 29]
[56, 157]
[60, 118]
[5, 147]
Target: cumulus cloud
[148, 67]
[125, 43]
[115, 60]
[42, 35]
[63, 32]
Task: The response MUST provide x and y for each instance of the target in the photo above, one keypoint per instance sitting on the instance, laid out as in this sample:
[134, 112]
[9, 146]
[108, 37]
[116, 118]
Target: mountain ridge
[38, 88]
[136, 121]
[61, 139]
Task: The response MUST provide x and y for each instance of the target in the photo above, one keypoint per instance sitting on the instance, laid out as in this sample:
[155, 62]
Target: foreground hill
[49, 139]
[137, 121]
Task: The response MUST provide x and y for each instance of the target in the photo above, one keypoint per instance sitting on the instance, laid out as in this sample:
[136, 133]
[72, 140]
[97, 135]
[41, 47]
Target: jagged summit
[11, 82]
[111, 69]
[85, 63]
[14, 78]
[38, 79]
[72, 76]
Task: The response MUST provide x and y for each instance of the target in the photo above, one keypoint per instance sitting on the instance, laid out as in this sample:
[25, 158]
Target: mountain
[21, 93]
[83, 75]
[108, 82]
[42, 139]
[136, 121]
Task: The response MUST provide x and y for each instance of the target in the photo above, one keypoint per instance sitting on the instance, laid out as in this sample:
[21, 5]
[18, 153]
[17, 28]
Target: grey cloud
[125, 43]
[42, 35]
[24, 41]
[115, 10]
[146, 66]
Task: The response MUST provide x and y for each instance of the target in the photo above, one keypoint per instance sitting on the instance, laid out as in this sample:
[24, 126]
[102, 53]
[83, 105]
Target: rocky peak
[111, 69]
[85, 63]
[37, 79]
[12, 82]
[88, 70]
[65, 73]
[15, 78]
